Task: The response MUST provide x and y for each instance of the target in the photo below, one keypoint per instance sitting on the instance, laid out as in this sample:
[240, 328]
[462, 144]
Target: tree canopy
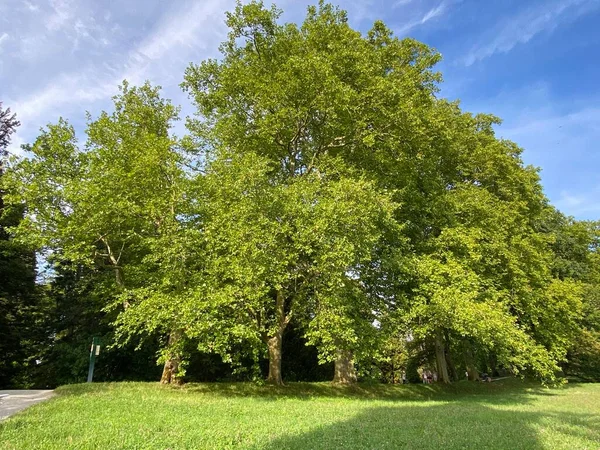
[323, 187]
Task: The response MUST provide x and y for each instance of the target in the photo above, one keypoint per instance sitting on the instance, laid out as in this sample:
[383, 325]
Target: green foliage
[291, 213]
[96, 204]
[576, 258]
[22, 303]
[584, 356]
[469, 257]
[107, 206]
[324, 185]
[300, 238]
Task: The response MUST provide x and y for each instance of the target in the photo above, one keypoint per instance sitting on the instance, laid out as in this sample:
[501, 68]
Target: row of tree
[324, 194]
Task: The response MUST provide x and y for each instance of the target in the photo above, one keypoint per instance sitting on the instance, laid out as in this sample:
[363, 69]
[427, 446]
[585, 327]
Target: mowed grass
[505, 414]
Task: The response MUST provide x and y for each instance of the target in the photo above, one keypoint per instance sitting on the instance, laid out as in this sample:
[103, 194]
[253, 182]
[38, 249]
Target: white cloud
[178, 38]
[557, 127]
[185, 28]
[559, 134]
[3, 37]
[582, 205]
[429, 15]
[61, 16]
[47, 30]
[545, 17]
[400, 3]
[16, 141]
[31, 7]
[434, 12]
[358, 10]
[56, 99]
[570, 201]
[564, 145]
[64, 90]
[188, 28]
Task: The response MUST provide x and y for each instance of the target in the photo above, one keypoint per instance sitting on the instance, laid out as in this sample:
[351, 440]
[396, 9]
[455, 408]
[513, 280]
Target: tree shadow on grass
[449, 426]
[510, 391]
[505, 392]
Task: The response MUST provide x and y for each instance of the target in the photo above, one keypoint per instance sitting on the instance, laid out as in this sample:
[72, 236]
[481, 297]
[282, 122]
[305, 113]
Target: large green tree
[472, 214]
[289, 97]
[483, 258]
[324, 183]
[107, 204]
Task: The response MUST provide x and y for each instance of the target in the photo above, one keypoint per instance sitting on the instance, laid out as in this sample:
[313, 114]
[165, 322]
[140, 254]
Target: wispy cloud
[423, 19]
[3, 37]
[177, 38]
[564, 145]
[583, 205]
[16, 141]
[434, 12]
[49, 101]
[359, 11]
[399, 3]
[50, 29]
[570, 201]
[61, 16]
[520, 29]
[562, 128]
[184, 29]
[559, 134]
[30, 6]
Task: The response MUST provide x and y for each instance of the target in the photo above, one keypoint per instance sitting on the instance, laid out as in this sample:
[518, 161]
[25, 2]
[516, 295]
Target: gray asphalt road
[12, 402]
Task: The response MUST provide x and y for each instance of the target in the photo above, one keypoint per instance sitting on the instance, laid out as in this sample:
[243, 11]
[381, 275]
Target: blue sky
[536, 64]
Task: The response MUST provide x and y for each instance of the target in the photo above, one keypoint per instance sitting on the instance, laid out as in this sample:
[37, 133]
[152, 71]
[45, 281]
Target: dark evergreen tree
[18, 295]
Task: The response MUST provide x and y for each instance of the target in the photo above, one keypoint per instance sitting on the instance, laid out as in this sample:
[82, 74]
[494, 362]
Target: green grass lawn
[504, 415]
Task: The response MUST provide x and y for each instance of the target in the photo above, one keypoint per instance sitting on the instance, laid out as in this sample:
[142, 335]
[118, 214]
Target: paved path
[12, 402]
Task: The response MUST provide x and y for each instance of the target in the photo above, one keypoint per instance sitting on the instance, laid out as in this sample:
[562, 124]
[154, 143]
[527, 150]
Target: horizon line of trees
[326, 212]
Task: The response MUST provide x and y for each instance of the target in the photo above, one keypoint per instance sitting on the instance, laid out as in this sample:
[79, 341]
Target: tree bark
[171, 373]
[275, 345]
[170, 370]
[344, 372]
[275, 342]
[119, 277]
[440, 356]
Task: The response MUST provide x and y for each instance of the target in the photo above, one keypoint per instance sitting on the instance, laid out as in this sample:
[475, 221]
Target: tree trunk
[171, 373]
[275, 345]
[440, 356]
[119, 278]
[344, 372]
[275, 342]
[170, 370]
